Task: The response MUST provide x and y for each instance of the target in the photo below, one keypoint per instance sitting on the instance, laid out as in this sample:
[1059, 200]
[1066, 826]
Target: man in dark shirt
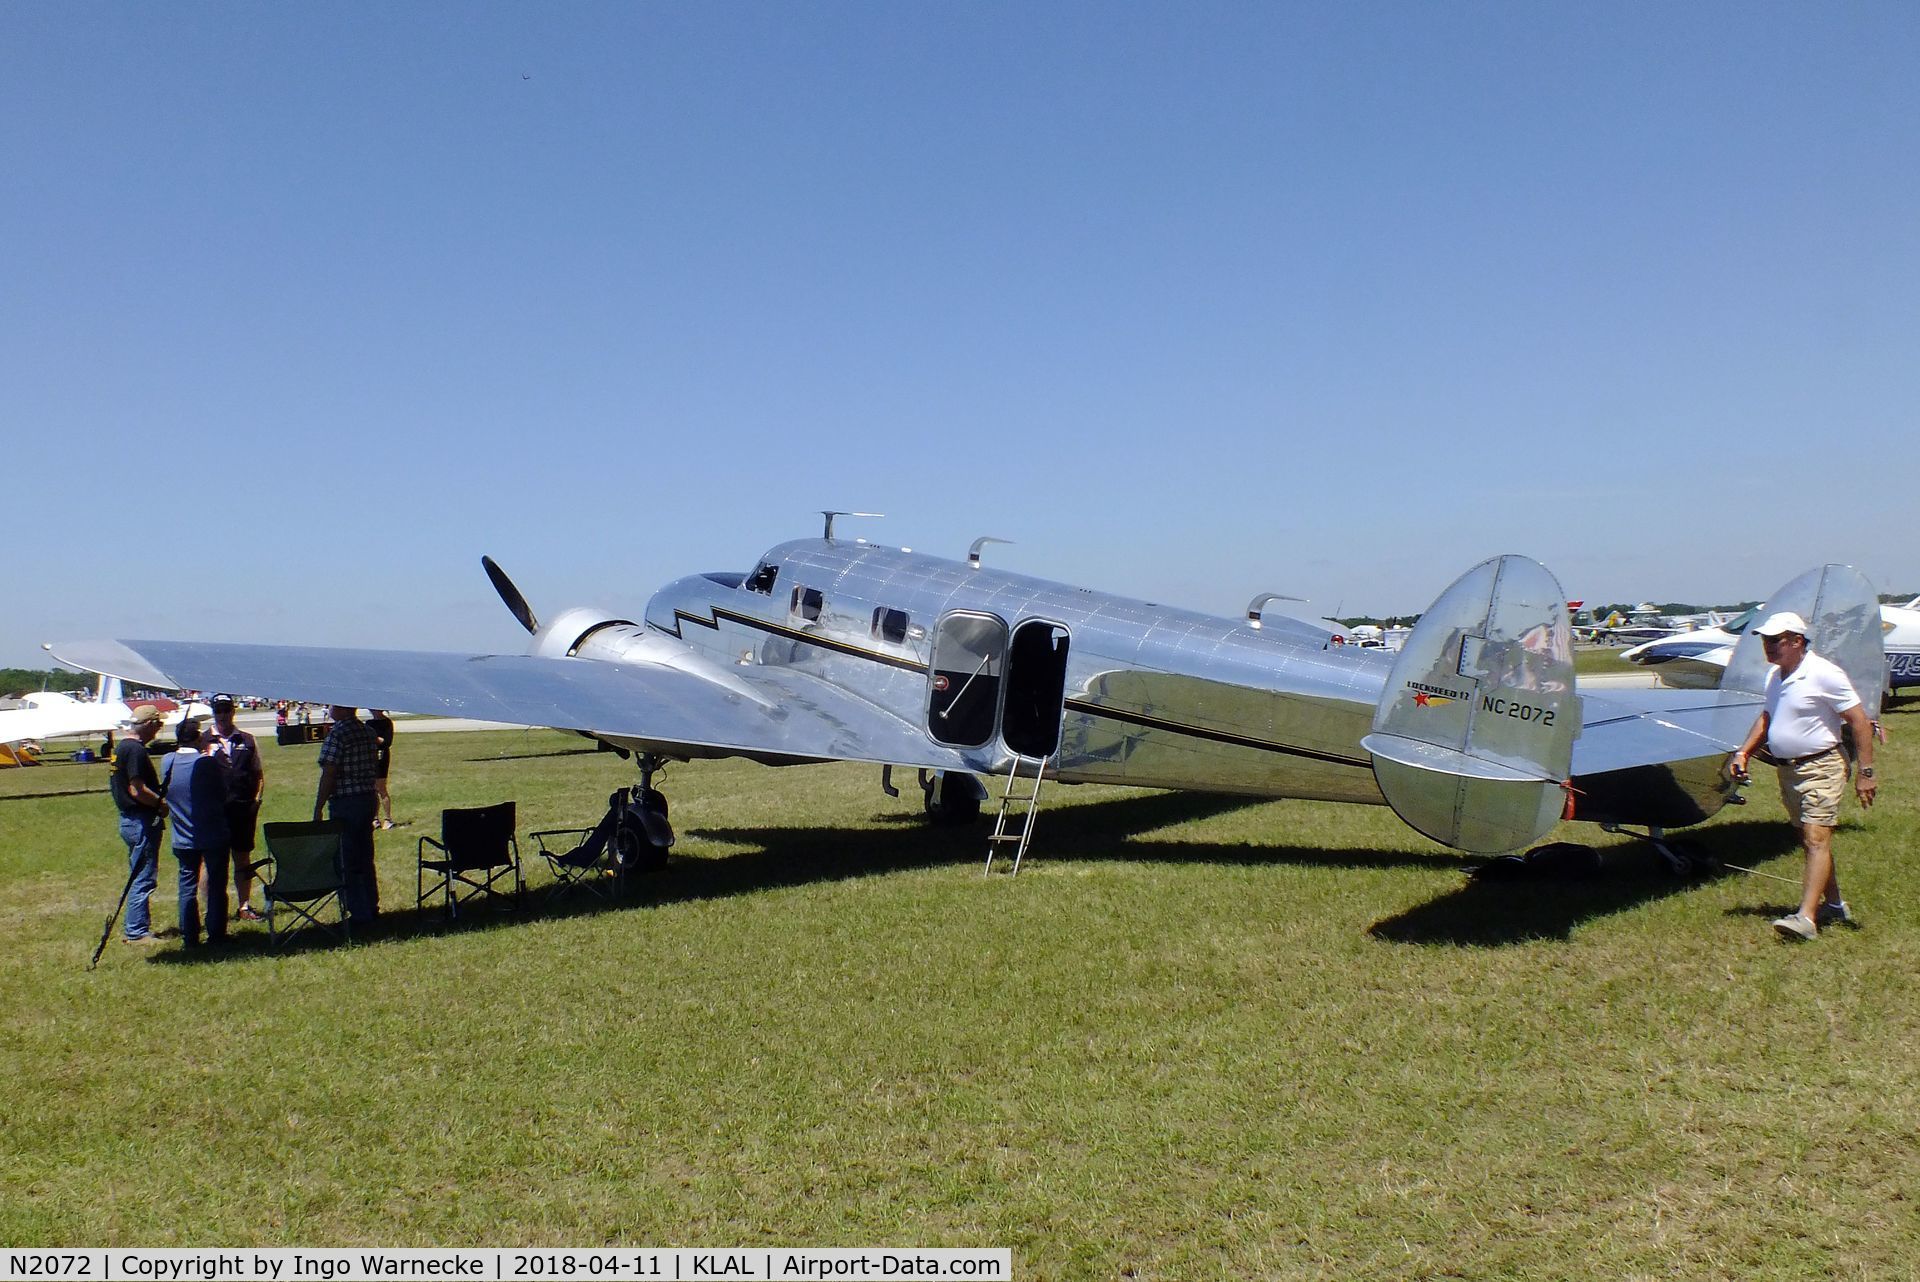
[347, 766]
[136, 792]
[246, 781]
[382, 726]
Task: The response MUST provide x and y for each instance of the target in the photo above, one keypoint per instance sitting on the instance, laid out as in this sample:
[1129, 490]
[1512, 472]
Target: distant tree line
[18, 681]
[1678, 607]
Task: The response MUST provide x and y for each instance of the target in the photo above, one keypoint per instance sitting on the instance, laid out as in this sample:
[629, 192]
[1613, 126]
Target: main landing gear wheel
[643, 836]
[952, 799]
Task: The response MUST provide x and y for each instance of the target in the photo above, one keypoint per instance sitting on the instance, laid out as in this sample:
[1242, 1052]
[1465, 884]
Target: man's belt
[1800, 761]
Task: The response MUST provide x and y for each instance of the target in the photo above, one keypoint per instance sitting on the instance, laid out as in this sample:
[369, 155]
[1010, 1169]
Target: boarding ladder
[1019, 807]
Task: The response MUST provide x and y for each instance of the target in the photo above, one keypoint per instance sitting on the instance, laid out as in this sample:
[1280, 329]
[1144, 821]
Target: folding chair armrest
[579, 834]
[421, 850]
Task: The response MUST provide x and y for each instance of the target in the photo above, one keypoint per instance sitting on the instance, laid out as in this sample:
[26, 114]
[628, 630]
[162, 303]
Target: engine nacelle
[586, 633]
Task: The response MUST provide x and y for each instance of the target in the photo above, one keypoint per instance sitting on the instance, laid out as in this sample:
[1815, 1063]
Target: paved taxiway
[260, 724]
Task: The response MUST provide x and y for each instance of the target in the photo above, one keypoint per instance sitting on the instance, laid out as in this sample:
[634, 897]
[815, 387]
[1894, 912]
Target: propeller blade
[510, 594]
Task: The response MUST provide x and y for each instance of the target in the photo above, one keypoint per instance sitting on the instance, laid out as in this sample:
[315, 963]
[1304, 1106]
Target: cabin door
[963, 689]
[1036, 688]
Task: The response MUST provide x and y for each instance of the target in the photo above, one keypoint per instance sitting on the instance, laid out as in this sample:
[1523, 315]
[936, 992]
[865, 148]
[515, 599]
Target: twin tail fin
[1472, 741]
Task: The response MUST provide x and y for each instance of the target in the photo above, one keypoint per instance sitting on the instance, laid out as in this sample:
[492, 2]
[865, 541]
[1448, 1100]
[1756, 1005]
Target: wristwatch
[1866, 772]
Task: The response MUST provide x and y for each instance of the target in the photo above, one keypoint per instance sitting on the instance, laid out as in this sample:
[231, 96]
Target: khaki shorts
[1811, 788]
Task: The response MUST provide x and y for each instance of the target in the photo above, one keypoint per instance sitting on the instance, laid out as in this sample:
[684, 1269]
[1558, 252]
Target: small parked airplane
[1698, 660]
[1693, 660]
[838, 649]
[51, 714]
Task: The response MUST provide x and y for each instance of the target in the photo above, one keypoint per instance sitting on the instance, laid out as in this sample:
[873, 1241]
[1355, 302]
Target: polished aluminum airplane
[832, 648]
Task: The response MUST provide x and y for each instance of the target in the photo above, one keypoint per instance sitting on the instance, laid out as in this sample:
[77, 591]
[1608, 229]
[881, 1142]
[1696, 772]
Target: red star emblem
[1419, 700]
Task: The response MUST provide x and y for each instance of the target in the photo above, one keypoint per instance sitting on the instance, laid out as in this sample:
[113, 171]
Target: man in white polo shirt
[1808, 700]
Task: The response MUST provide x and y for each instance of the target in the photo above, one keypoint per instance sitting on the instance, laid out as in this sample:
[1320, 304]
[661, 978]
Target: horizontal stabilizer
[1473, 737]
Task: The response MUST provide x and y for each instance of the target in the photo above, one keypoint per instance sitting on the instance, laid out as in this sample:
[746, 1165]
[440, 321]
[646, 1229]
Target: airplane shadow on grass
[1478, 913]
[1490, 913]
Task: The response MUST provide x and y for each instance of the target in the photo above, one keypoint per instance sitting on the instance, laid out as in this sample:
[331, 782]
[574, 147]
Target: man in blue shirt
[196, 789]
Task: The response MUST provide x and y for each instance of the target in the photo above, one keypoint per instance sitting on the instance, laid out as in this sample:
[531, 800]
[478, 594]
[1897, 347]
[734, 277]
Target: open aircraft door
[963, 686]
[1036, 688]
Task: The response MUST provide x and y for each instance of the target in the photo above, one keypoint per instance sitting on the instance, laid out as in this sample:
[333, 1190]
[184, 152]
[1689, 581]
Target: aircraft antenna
[1259, 604]
[973, 553]
[828, 536]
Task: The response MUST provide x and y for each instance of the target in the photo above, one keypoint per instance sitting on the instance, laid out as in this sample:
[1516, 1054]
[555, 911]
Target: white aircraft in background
[1693, 660]
[1644, 624]
[53, 714]
[1648, 624]
[1697, 660]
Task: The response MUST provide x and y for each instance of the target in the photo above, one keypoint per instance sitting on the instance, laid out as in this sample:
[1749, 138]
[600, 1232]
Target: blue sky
[304, 308]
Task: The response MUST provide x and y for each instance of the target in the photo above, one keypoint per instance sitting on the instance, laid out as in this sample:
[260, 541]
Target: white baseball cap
[1785, 621]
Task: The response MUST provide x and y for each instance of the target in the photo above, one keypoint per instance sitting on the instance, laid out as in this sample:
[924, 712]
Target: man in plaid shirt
[347, 764]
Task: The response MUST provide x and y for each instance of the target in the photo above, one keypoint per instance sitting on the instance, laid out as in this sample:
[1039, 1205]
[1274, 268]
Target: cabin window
[761, 580]
[890, 625]
[807, 602]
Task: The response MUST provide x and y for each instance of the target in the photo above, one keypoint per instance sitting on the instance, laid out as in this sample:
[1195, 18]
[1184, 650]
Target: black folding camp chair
[633, 836]
[301, 873]
[477, 851]
[584, 858]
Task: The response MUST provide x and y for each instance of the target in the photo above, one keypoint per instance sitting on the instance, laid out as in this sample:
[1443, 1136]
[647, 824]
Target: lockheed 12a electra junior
[836, 649]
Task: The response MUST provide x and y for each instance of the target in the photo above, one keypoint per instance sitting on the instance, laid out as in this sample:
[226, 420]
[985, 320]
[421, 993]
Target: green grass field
[1593, 660]
[1194, 1039]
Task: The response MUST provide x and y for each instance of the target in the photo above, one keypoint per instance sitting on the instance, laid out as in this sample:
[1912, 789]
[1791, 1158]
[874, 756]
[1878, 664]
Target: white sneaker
[1796, 926]
[1835, 915]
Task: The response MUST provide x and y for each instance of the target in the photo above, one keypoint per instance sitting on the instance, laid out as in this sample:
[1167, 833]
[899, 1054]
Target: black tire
[951, 804]
[635, 851]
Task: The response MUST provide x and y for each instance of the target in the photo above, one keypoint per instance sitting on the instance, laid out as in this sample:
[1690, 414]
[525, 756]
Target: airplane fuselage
[990, 662]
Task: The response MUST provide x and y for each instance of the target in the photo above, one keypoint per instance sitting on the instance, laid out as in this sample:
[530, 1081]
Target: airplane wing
[775, 715]
[17, 725]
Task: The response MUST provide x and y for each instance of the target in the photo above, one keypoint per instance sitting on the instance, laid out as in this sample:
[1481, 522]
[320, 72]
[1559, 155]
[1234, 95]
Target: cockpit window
[890, 625]
[806, 603]
[1739, 625]
[761, 580]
